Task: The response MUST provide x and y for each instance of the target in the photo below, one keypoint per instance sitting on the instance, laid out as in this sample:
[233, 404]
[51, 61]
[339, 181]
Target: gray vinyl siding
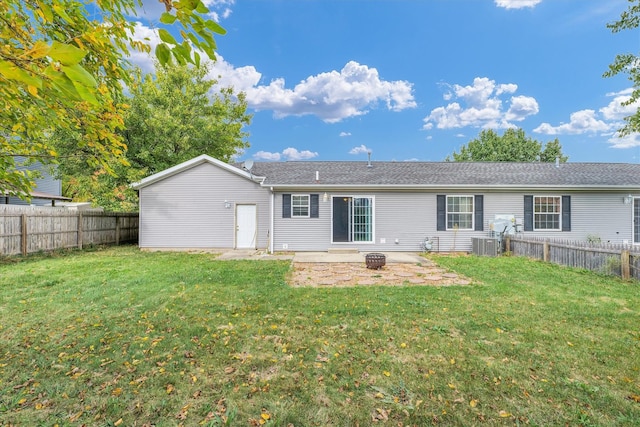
[187, 210]
[410, 217]
[46, 183]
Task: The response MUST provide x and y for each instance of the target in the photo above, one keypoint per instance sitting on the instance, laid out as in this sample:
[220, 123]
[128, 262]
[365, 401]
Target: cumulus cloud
[480, 105]
[293, 154]
[615, 110]
[289, 153]
[343, 134]
[266, 155]
[332, 96]
[603, 122]
[361, 149]
[584, 121]
[627, 141]
[517, 4]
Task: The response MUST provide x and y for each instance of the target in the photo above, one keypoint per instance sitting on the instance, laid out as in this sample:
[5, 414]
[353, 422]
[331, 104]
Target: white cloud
[362, 149]
[615, 110]
[343, 134]
[293, 154]
[584, 121]
[480, 105]
[332, 96]
[266, 155]
[287, 154]
[517, 4]
[628, 141]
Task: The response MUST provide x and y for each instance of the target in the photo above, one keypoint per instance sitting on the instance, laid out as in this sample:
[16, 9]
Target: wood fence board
[50, 228]
[603, 258]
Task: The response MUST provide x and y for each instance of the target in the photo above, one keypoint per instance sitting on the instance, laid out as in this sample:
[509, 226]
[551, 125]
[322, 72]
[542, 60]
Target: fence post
[117, 229]
[23, 234]
[545, 251]
[625, 269]
[80, 236]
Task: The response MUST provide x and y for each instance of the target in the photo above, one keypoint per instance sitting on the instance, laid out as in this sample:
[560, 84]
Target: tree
[512, 146]
[629, 64]
[62, 64]
[174, 115]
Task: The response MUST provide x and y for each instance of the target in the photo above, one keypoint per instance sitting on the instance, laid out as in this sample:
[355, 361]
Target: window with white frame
[459, 212]
[300, 206]
[546, 212]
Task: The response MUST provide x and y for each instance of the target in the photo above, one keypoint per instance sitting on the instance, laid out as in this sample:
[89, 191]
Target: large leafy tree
[174, 115]
[628, 63]
[512, 146]
[62, 65]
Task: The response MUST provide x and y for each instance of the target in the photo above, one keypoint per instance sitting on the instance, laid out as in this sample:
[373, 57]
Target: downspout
[272, 234]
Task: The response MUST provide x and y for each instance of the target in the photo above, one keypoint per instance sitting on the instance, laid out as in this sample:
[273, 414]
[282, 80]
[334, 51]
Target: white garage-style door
[246, 226]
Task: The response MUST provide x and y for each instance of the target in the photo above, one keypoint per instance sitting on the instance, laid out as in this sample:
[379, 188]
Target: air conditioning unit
[485, 246]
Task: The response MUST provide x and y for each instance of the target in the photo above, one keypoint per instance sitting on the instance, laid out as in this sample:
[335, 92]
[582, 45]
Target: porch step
[343, 251]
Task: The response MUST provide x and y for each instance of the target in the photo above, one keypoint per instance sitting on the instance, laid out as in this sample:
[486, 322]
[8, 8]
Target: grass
[122, 337]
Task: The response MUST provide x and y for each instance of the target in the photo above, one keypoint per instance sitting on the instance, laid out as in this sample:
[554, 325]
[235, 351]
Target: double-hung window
[459, 212]
[300, 206]
[546, 212]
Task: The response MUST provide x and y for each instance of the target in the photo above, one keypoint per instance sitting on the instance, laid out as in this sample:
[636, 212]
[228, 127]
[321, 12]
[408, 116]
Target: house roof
[448, 174]
[408, 175]
[190, 164]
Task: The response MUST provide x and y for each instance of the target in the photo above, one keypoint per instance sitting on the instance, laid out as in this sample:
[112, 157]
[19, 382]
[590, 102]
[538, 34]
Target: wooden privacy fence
[26, 229]
[618, 260]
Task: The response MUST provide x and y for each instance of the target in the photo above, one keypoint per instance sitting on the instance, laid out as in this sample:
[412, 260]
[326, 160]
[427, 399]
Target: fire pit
[375, 261]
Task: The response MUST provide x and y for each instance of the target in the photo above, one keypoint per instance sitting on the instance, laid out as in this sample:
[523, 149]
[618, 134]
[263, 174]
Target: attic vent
[369, 165]
[317, 176]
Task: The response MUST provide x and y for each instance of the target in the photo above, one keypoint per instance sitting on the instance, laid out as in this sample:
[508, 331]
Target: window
[300, 205]
[460, 212]
[546, 212]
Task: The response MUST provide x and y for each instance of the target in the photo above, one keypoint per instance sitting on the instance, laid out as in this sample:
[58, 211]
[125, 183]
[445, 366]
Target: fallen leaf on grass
[634, 397]
[504, 414]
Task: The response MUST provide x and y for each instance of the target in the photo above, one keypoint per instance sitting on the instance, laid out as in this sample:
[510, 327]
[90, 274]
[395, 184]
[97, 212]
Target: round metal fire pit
[375, 261]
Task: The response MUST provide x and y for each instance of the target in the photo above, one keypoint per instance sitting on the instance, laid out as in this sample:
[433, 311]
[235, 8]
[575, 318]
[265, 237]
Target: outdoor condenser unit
[485, 246]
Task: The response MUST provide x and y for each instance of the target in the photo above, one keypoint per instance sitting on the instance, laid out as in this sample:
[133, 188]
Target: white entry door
[246, 226]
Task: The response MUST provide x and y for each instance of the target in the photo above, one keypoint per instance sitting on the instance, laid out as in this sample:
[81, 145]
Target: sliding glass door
[352, 219]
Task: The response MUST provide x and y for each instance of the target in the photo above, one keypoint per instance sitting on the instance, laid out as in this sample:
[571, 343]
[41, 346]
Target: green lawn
[121, 337]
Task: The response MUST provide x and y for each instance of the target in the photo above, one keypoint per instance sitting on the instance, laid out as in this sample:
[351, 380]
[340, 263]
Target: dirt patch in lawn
[322, 274]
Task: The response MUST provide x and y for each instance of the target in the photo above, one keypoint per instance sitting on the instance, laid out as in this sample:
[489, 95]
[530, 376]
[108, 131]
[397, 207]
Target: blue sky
[417, 79]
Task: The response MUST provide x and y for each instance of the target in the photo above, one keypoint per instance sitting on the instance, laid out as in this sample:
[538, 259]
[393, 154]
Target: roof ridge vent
[369, 165]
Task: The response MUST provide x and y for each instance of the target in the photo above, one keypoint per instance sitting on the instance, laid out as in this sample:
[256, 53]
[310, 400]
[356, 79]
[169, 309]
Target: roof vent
[557, 162]
[369, 165]
[317, 176]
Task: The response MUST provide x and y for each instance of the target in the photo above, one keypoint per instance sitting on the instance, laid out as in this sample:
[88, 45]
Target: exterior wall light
[325, 197]
[627, 200]
[227, 204]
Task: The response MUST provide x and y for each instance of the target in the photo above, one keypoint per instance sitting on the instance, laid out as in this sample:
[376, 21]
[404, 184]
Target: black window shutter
[478, 212]
[315, 205]
[441, 208]
[566, 213]
[286, 206]
[528, 213]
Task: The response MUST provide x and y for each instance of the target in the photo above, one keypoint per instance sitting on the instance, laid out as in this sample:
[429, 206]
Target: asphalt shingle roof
[442, 174]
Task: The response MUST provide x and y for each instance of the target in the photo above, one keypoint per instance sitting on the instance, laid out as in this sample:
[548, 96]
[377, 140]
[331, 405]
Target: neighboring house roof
[339, 174]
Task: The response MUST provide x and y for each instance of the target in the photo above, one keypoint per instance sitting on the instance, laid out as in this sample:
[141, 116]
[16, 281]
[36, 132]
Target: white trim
[372, 198]
[190, 164]
[472, 213]
[559, 213]
[308, 196]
